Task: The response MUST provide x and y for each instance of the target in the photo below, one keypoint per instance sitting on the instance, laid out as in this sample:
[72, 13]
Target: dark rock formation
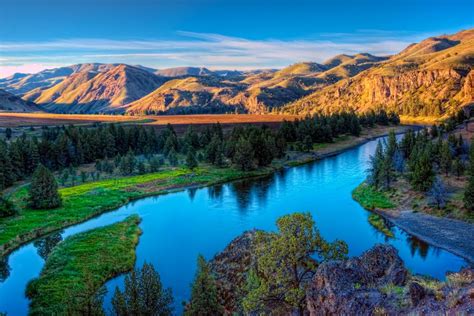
[230, 269]
[353, 286]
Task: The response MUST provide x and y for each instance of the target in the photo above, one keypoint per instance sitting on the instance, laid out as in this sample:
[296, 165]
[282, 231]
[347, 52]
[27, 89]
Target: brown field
[40, 119]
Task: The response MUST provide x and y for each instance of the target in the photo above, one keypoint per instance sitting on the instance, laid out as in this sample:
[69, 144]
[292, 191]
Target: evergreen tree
[191, 161]
[445, 158]
[243, 156]
[144, 294]
[204, 296]
[7, 208]
[43, 193]
[155, 164]
[7, 176]
[376, 163]
[392, 145]
[469, 192]
[458, 167]
[8, 133]
[422, 173]
[173, 157]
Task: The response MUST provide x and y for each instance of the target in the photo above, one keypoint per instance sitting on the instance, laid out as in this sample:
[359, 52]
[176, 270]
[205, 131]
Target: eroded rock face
[352, 286]
[230, 269]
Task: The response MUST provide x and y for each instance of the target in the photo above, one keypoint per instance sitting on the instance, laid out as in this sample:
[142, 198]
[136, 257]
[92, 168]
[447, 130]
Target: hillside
[11, 103]
[105, 92]
[432, 78]
[23, 83]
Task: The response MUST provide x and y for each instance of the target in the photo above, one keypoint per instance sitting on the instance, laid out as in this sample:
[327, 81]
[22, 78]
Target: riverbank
[80, 265]
[452, 235]
[85, 201]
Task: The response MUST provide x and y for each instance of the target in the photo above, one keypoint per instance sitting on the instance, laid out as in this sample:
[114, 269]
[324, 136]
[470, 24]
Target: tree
[8, 133]
[7, 208]
[437, 195]
[173, 157]
[285, 265]
[469, 192]
[445, 158]
[458, 167]
[422, 174]
[243, 156]
[392, 145]
[43, 193]
[204, 298]
[155, 164]
[191, 161]
[144, 294]
[7, 176]
[375, 170]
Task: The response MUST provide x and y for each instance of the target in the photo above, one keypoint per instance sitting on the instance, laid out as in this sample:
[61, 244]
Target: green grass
[81, 264]
[378, 222]
[370, 198]
[90, 199]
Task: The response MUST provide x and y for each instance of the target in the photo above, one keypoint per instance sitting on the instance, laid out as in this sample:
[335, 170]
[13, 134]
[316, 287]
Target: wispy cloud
[197, 49]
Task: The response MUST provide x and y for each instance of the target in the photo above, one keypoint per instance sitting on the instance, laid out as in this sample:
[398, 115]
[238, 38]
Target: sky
[226, 34]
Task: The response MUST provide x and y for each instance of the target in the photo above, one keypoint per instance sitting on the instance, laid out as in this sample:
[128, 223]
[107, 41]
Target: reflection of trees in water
[46, 244]
[192, 193]
[4, 268]
[418, 245]
[216, 192]
[246, 190]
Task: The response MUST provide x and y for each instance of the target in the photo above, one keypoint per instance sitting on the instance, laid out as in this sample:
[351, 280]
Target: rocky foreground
[376, 282]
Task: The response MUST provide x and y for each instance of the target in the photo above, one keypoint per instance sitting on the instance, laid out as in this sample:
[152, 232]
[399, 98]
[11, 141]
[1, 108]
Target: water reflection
[250, 191]
[216, 192]
[4, 269]
[45, 245]
[418, 246]
[192, 193]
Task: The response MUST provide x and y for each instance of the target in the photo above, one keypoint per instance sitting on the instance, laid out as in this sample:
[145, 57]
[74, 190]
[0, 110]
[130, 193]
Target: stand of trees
[65, 148]
[423, 157]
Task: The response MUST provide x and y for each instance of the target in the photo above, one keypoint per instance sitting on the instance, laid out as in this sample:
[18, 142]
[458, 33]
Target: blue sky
[37, 34]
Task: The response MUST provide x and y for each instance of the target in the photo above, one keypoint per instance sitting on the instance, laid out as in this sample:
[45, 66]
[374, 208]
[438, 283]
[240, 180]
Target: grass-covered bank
[80, 265]
[93, 198]
[370, 198]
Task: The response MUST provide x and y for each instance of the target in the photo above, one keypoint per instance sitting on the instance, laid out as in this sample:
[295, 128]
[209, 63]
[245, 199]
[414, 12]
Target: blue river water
[179, 226]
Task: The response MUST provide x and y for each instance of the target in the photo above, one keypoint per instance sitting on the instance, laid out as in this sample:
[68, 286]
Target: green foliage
[421, 170]
[7, 207]
[285, 265]
[469, 193]
[143, 295]
[379, 223]
[371, 198]
[204, 298]
[191, 161]
[71, 280]
[243, 156]
[43, 193]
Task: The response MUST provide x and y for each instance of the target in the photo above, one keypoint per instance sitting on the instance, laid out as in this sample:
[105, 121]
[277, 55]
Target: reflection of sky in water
[177, 227]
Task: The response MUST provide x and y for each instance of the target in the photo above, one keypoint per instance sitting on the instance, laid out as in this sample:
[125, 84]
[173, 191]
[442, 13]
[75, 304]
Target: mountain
[183, 71]
[432, 78]
[105, 92]
[12, 103]
[23, 83]
[189, 95]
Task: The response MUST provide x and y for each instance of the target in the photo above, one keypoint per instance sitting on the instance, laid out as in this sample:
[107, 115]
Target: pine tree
[204, 297]
[144, 294]
[191, 161]
[458, 167]
[243, 156]
[446, 159]
[469, 193]
[438, 195]
[421, 168]
[8, 133]
[375, 170]
[173, 157]
[7, 176]
[43, 193]
[7, 208]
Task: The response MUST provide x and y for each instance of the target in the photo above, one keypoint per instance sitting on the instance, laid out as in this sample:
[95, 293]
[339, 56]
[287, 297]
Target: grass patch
[379, 223]
[370, 198]
[80, 265]
[90, 199]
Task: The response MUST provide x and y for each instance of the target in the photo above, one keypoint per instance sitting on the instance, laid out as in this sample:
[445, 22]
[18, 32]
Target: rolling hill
[11, 103]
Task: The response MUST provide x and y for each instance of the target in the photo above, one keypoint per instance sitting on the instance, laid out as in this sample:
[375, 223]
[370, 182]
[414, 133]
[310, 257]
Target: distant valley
[432, 78]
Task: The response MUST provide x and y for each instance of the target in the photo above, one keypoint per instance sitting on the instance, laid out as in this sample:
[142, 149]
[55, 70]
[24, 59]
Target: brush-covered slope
[107, 91]
[432, 78]
[12, 103]
[188, 95]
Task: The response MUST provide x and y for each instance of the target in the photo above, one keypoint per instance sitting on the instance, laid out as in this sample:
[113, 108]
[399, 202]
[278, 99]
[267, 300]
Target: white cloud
[195, 49]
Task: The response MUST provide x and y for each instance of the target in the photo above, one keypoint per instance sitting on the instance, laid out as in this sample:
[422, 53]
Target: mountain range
[432, 78]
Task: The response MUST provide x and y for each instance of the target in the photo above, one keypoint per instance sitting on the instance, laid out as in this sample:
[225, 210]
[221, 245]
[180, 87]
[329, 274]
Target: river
[179, 226]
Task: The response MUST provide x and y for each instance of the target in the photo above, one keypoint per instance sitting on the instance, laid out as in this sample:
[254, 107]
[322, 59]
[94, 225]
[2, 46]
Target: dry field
[39, 119]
